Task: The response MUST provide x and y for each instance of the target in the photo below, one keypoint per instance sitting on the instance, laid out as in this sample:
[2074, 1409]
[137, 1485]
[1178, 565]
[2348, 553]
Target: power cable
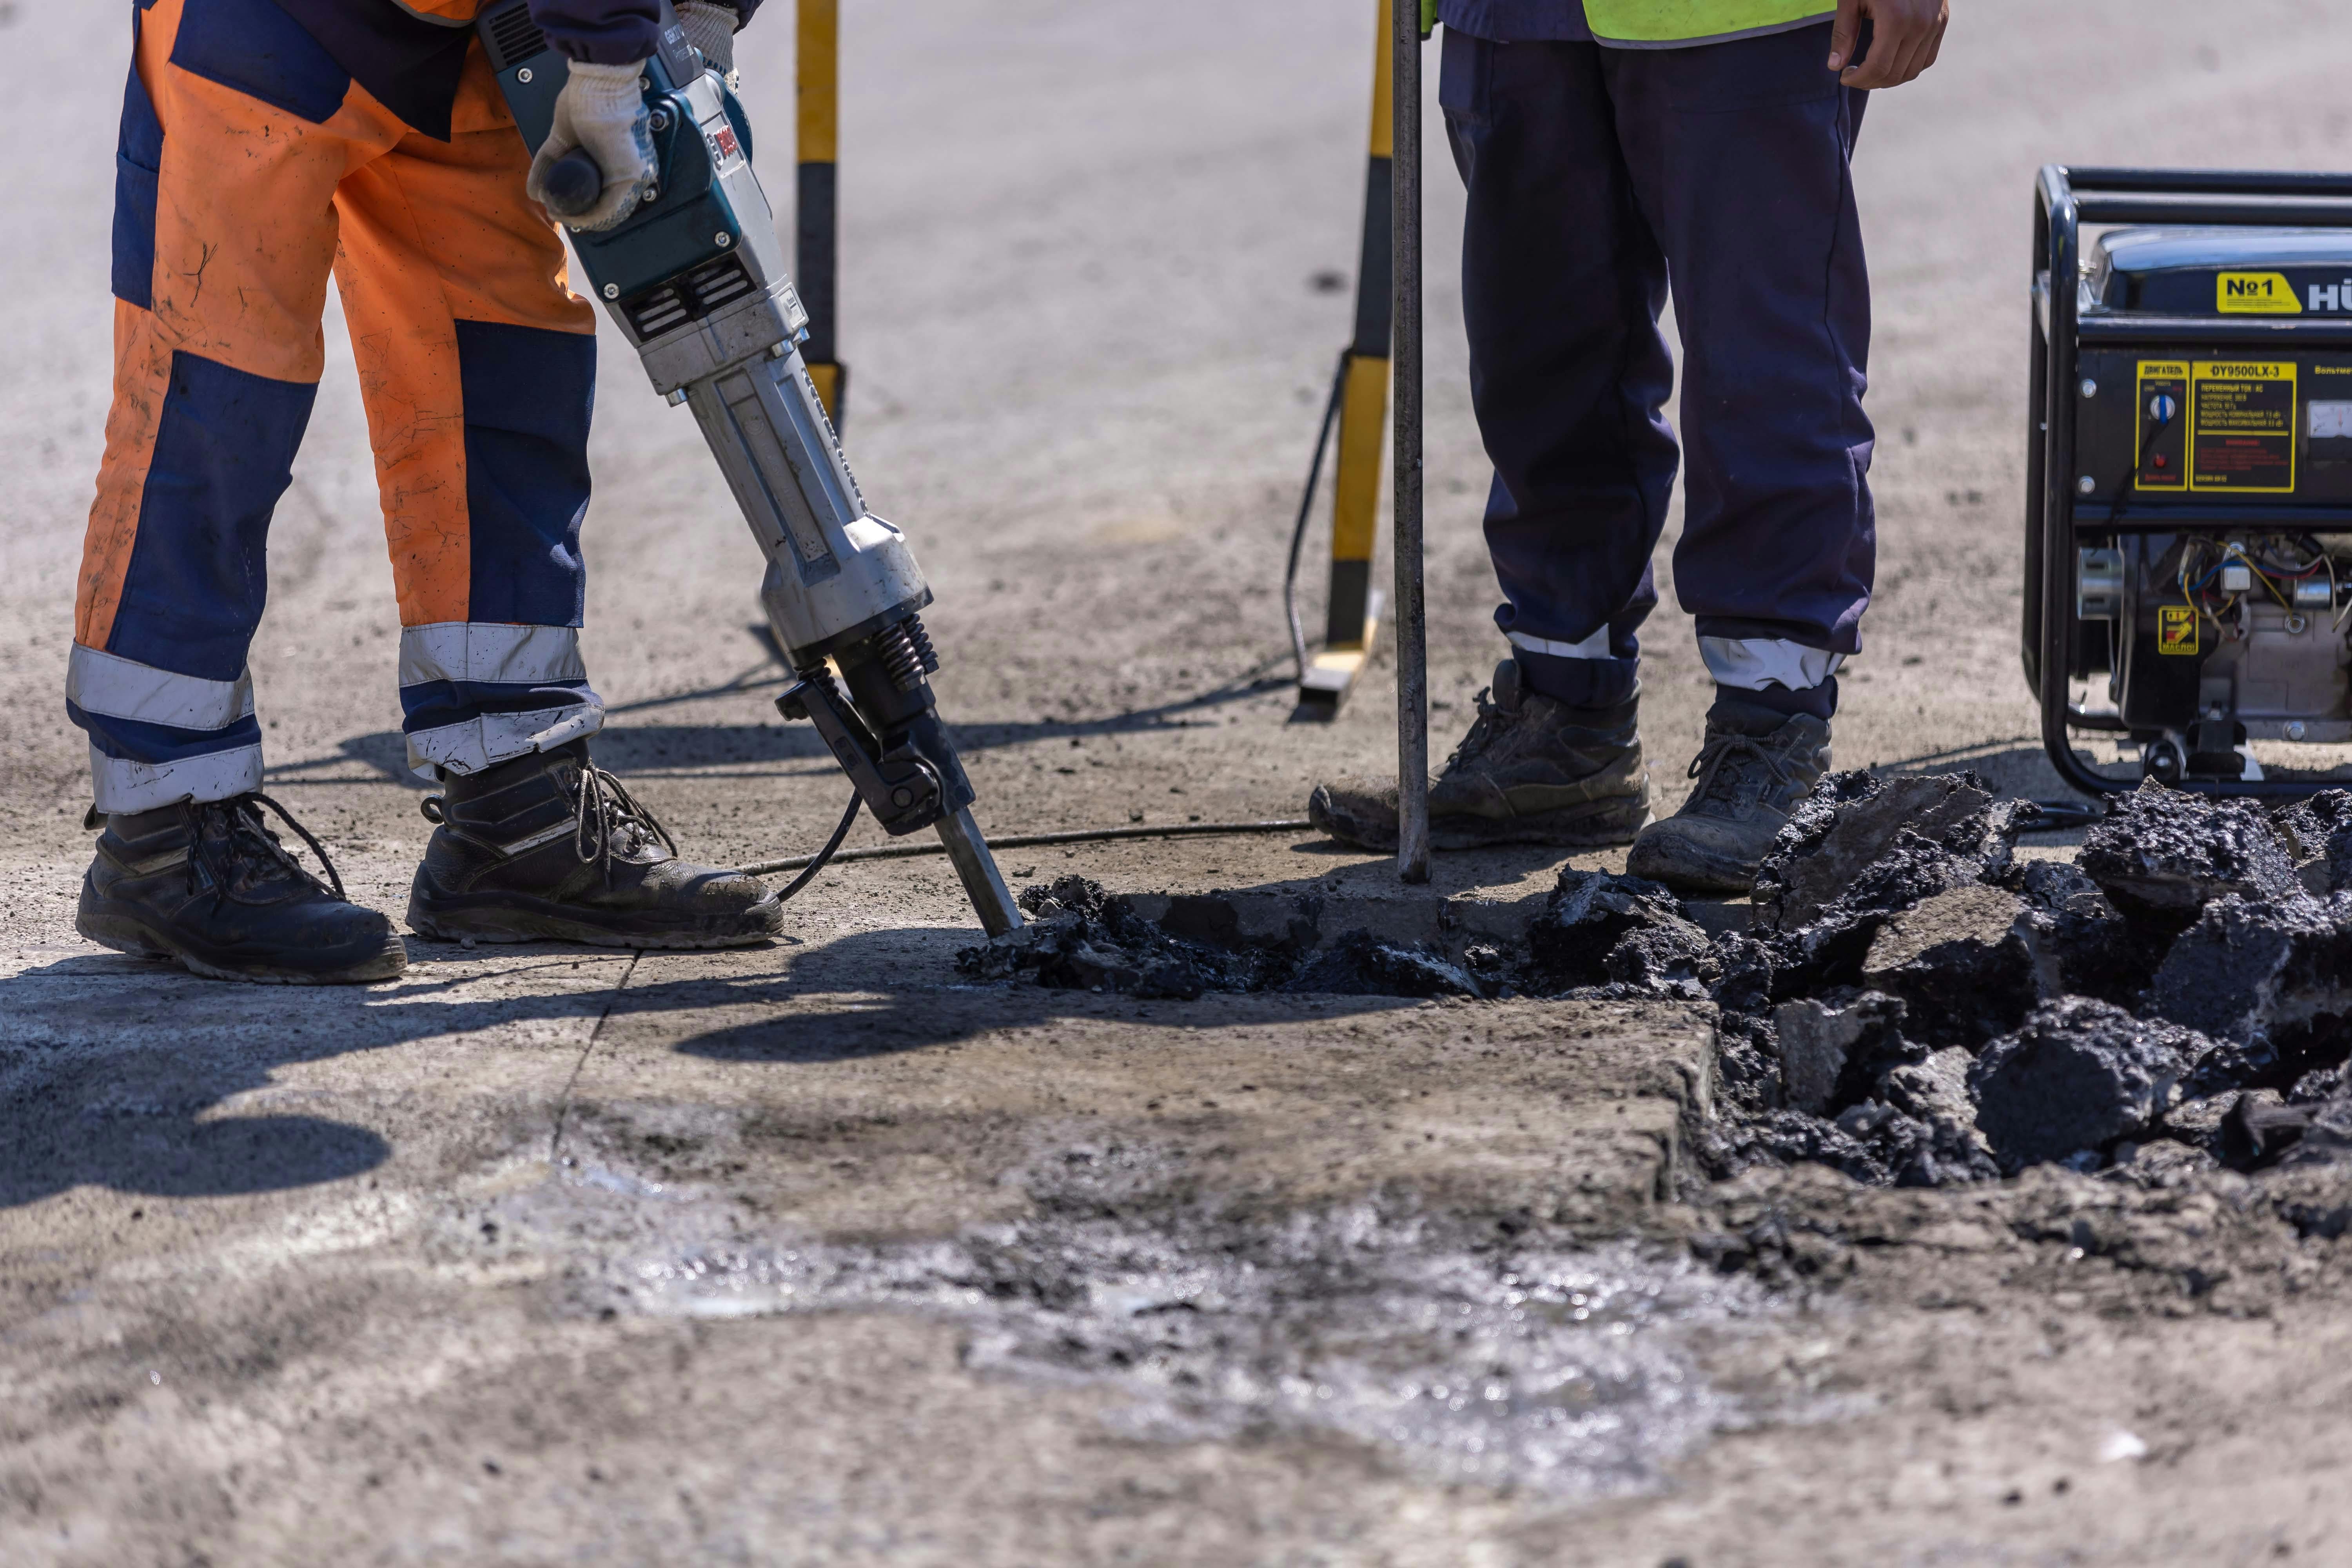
[816, 863]
[1305, 510]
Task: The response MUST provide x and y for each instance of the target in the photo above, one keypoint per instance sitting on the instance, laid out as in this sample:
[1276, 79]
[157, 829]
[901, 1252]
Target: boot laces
[606, 810]
[1730, 759]
[248, 846]
[1489, 727]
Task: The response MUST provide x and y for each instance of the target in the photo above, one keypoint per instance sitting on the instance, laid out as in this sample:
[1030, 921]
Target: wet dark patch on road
[1448, 1346]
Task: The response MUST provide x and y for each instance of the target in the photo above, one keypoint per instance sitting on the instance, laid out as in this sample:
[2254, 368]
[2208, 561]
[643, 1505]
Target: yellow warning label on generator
[2255, 294]
[2176, 628]
[2241, 428]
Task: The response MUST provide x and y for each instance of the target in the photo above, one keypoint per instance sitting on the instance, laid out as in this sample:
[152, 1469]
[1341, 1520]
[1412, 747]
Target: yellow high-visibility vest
[1665, 24]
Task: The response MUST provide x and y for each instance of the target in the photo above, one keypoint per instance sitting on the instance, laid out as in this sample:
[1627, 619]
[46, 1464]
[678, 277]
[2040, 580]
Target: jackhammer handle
[574, 182]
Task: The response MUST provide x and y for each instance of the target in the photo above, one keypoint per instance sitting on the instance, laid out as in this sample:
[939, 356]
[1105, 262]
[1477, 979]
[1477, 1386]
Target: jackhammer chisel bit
[695, 277]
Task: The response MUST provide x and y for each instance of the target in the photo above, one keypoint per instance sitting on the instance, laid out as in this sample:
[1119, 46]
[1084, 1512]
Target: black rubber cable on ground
[816, 863]
[2057, 816]
[2063, 816]
[1306, 511]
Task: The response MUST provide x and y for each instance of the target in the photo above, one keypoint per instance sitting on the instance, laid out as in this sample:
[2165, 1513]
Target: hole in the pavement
[1596, 935]
[1905, 999]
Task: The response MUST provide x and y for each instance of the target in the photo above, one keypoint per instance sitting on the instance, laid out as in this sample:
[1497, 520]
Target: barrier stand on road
[1412, 650]
[816, 212]
[1359, 400]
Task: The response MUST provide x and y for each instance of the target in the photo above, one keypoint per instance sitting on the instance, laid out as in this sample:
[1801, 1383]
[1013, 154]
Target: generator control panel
[2218, 420]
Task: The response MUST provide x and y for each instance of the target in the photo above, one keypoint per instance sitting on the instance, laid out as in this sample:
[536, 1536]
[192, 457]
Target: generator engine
[2212, 641]
[2188, 528]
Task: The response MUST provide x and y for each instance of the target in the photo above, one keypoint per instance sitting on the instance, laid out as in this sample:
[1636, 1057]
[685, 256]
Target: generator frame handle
[2065, 198]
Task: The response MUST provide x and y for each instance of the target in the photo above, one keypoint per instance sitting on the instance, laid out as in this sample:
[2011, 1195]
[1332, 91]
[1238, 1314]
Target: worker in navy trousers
[1618, 153]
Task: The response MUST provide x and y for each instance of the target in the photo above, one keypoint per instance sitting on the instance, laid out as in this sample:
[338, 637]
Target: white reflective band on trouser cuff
[490, 652]
[1751, 664]
[126, 786]
[1594, 646]
[120, 688]
[477, 743]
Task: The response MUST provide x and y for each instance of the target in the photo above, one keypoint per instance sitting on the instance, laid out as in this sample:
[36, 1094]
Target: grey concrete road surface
[808, 1254]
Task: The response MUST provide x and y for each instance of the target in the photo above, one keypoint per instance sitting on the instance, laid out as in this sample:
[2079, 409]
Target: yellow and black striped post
[817, 210]
[1353, 620]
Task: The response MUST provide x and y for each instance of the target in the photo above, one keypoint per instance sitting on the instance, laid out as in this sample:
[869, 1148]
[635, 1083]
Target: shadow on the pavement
[2020, 767]
[637, 749]
[174, 1156]
[109, 1065]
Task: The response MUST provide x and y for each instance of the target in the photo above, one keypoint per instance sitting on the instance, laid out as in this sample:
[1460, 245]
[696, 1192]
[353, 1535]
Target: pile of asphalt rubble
[1910, 1003]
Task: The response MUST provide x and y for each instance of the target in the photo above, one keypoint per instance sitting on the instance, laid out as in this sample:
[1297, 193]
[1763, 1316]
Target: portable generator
[2189, 495]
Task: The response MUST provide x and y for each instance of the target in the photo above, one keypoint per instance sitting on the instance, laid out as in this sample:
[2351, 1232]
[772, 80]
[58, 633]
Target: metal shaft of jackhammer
[982, 881]
[1411, 630]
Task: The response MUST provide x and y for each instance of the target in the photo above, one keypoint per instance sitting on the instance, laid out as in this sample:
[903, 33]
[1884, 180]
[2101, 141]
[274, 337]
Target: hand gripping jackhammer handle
[574, 182]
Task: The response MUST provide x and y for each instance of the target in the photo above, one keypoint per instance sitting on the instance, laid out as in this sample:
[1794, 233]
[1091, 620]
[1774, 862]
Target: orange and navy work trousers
[251, 168]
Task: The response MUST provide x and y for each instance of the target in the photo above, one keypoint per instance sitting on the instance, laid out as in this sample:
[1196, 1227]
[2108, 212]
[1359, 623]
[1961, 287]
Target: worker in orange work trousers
[264, 145]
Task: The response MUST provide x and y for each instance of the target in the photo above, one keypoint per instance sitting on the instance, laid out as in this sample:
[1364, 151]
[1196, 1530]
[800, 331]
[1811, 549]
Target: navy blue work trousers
[1600, 181]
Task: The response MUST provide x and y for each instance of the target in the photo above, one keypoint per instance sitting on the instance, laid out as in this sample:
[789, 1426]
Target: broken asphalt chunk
[2079, 1075]
[1846, 837]
[1971, 962]
[1360, 964]
[2316, 833]
[2273, 979]
[1590, 912]
[1833, 1051]
[2257, 1131]
[2161, 856]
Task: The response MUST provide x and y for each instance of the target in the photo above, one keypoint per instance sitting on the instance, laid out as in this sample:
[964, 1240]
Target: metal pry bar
[1411, 627]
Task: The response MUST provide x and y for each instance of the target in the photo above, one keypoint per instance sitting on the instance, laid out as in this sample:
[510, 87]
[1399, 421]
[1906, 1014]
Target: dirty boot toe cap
[1696, 852]
[1359, 811]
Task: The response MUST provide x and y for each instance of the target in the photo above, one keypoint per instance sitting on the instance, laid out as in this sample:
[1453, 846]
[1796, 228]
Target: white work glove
[710, 27]
[602, 110]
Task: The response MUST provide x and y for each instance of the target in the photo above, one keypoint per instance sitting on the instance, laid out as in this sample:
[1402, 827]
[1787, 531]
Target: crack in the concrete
[563, 1100]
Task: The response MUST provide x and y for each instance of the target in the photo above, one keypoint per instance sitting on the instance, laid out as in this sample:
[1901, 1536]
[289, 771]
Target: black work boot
[1755, 765]
[1530, 770]
[550, 848]
[209, 887]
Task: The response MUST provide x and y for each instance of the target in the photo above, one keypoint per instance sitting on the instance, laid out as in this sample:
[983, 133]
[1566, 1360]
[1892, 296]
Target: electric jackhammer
[695, 277]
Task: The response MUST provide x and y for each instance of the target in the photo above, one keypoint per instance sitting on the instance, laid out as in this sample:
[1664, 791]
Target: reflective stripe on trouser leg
[474, 694]
[157, 736]
[477, 367]
[1594, 646]
[236, 128]
[1751, 664]
[1600, 670]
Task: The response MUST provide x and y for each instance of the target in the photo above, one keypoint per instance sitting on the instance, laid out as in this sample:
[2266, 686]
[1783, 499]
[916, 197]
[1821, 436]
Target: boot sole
[126, 934]
[505, 920]
[1602, 825]
[1689, 873]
